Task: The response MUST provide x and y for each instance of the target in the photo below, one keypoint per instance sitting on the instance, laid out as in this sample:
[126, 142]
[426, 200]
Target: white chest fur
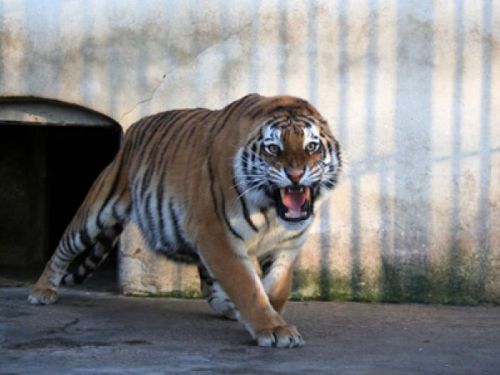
[272, 234]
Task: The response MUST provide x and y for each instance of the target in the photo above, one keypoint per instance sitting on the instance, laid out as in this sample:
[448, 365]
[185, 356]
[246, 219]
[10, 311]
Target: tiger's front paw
[42, 296]
[286, 336]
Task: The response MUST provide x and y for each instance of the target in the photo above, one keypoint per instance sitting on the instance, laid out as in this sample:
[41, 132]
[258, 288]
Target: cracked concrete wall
[411, 89]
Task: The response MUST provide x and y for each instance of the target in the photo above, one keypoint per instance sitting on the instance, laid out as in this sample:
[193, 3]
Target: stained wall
[410, 88]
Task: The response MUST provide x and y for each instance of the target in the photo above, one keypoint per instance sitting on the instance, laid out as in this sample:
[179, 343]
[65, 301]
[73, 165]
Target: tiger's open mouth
[294, 203]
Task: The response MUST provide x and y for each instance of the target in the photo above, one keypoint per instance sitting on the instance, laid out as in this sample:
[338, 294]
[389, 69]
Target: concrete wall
[411, 89]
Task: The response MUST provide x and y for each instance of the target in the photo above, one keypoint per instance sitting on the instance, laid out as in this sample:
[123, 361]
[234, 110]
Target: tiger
[216, 188]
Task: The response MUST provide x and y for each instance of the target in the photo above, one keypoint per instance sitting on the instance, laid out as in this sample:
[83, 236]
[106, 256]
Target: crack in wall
[193, 59]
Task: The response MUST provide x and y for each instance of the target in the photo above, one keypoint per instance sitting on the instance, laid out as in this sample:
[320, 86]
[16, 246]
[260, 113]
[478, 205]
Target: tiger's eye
[312, 147]
[273, 149]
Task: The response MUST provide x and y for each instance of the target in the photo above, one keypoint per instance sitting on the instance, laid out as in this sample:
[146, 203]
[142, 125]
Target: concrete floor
[91, 332]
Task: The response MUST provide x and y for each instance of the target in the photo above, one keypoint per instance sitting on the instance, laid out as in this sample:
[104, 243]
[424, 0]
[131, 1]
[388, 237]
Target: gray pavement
[104, 333]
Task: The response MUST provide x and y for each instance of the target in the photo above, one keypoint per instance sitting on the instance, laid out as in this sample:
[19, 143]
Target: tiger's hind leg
[95, 227]
[218, 300]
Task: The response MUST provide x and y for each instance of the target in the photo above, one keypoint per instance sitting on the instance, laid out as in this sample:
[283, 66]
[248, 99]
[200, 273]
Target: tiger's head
[290, 160]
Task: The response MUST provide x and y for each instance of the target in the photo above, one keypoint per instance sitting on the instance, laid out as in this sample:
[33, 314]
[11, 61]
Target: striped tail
[106, 242]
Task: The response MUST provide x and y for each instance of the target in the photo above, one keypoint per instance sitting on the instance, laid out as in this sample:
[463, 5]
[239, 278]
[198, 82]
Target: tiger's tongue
[294, 202]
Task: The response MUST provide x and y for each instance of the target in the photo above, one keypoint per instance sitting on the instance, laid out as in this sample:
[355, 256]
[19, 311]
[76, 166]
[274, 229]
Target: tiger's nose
[294, 174]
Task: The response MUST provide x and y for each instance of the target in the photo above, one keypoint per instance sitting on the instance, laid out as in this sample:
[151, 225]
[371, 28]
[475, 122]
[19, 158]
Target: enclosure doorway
[50, 154]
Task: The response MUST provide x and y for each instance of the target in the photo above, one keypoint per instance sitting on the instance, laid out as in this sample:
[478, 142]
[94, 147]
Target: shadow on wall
[421, 259]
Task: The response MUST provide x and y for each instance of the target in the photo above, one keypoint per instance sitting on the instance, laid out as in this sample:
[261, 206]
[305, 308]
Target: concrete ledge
[391, 278]
[143, 272]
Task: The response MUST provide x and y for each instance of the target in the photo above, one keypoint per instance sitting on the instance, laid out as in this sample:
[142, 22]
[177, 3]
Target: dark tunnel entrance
[45, 172]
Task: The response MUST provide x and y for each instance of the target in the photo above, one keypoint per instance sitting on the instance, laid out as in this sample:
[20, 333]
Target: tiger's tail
[95, 228]
[95, 257]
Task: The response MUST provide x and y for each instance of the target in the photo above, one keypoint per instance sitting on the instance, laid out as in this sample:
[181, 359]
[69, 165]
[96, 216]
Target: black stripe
[226, 114]
[134, 137]
[244, 162]
[114, 213]
[69, 246]
[187, 128]
[212, 189]
[246, 214]
[330, 184]
[276, 122]
[146, 179]
[265, 264]
[99, 223]
[205, 276]
[139, 217]
[161, 221]
[152, 154]
[268, 193]
[105, 241]
[181, 240]
[254, 152]
[330, 148]
[256, 113]
[166, 147]
[149, 219]
[264, 212]
[294, 236]
[64, 254]
[302, 102]
[323, 151]
[119, 218]
[175, 223]
[193, 141]
[147, 129]
[254, 110]
[180, 135]
[226, 220]
[189, 136]
[85, 238]
[117, 229]
[111, 193]
[95, 258]
[78, 279]
[63, 280]
[159, 157]
[255, 98]
[165, 124]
